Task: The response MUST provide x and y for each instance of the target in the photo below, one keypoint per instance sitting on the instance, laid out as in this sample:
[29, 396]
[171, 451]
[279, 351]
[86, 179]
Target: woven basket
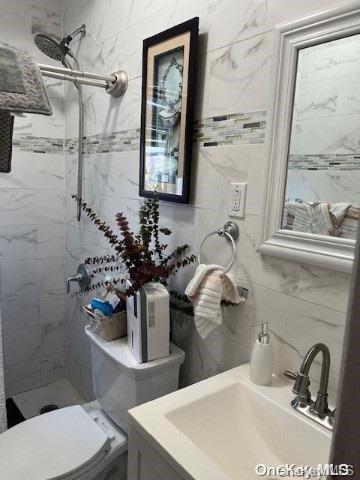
[108, 328]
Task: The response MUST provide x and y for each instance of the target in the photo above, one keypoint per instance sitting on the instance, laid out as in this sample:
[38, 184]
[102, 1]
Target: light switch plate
[237, 199]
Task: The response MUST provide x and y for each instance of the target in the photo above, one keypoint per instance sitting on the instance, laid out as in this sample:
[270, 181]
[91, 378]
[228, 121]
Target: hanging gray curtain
[3, 424]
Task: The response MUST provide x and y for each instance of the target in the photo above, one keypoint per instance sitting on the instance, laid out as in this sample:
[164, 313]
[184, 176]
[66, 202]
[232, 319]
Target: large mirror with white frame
[313, 189]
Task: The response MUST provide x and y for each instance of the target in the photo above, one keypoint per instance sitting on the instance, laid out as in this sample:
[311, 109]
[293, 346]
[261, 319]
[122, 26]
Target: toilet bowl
[89, 442]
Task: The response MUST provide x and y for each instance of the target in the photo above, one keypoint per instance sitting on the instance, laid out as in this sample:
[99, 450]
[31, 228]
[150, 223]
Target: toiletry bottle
[261, 362]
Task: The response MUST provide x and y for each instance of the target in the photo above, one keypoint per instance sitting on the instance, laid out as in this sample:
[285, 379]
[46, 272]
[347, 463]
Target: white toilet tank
[120, 382]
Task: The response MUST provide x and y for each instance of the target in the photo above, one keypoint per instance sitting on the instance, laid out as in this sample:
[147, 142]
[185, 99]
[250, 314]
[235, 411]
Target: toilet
[86, 442]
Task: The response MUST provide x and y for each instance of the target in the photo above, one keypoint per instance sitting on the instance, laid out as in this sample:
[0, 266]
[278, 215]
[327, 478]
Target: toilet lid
[52, 446]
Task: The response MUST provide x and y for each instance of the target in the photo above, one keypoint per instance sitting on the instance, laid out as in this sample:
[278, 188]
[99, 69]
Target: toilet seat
[32, 451]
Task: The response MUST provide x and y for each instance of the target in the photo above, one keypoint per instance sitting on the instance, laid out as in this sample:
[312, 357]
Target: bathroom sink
[223, 427]
[247, 431]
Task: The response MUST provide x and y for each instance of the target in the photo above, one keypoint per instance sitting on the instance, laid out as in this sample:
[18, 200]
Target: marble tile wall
[32, 220]
[303, 304]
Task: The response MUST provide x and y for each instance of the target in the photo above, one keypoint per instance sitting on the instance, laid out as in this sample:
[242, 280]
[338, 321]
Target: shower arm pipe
[115, 84]
[77, 73]
[82, 80]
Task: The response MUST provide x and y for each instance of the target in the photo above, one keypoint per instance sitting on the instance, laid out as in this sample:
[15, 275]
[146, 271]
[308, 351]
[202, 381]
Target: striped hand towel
[209, 286]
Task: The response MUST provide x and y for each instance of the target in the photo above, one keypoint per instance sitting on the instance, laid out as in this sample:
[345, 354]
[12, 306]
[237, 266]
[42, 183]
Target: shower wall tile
[32, 276]
[22, 376]
[20, 312]
[55, 90]
[50, 274]
[43, 126]
[28, 207]
[52, 339]
[23, 174]
[23, 345]
[16, 18]
[52, 368]
[31, 242]
[73, 369]
[18, 242]
[52, 306]
[32, 218]
[233, 81]
[36, 171]
[33, 373]
[51, 240]
[111, 115]
[46, 17]
[50, 172]
[21, 19]
[34, 343]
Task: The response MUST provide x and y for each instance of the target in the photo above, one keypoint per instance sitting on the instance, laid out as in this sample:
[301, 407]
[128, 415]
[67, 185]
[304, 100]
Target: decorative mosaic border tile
[122, 141]
[324, 162]
[233, 129]
[29, 143]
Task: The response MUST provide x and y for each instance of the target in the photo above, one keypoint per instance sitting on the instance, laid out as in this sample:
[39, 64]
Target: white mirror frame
[328, 252]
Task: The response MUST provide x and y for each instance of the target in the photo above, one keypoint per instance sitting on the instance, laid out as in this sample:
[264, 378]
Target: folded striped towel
[210, 285]
[313, 217]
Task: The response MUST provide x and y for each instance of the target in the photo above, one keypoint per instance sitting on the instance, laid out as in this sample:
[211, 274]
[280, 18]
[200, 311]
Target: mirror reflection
[323, 175]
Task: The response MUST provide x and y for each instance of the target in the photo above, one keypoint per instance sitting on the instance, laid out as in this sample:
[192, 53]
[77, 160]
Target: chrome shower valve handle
[82, 277]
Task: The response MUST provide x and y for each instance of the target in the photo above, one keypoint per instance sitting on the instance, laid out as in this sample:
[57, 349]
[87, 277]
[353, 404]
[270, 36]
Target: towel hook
[230, 231]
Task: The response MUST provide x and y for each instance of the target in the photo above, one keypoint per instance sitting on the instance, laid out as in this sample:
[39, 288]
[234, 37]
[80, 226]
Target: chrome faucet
[303, 403]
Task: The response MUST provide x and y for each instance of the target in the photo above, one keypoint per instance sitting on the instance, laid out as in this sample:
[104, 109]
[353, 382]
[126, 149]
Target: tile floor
[61, 393]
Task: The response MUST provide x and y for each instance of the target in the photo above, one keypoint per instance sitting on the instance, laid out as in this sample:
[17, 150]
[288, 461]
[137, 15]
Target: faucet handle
[301, 386]
[332, 417]
[291, 374]
[83, 278]
[75, 278]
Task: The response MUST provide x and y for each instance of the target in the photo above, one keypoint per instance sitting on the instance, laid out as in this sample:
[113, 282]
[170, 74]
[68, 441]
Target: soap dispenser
[261, 362]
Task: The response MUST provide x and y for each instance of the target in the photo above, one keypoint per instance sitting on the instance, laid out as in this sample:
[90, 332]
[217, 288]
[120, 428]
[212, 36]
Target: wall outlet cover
[237, 200]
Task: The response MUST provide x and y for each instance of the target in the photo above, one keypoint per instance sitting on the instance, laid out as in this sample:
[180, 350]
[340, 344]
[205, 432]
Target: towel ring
[230, 231]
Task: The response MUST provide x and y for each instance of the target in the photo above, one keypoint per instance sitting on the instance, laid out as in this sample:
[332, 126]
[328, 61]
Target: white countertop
[164, 424]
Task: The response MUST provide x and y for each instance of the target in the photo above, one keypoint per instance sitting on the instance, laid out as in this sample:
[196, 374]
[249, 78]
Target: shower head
[52, 48]
[55, 49]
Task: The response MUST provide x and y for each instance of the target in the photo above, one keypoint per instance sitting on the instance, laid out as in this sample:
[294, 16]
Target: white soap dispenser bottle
[261, 362]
